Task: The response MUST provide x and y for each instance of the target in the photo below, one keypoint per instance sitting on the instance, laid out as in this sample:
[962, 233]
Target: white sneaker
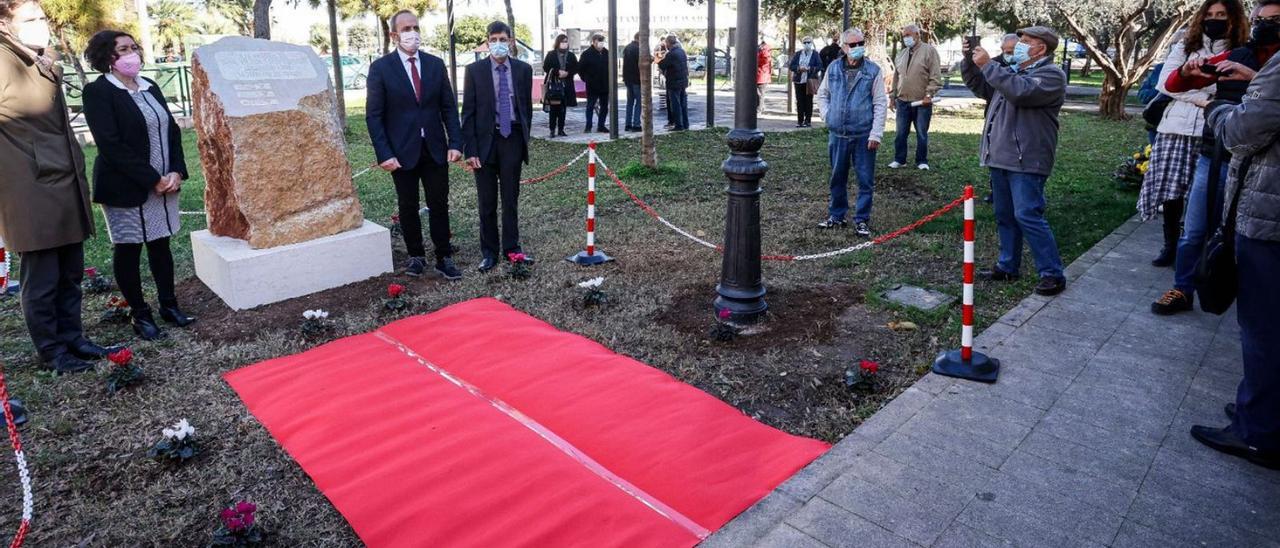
[923, 167]
[894, 165]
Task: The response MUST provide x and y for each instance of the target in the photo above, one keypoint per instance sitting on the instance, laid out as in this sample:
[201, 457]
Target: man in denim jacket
[852, 101]
[1019, 143]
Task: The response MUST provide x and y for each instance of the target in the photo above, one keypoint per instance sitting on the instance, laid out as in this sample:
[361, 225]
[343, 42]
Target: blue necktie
[504, 102]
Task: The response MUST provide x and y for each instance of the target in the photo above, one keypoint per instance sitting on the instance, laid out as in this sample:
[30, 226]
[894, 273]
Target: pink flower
[245, 507]
[869, 367]
[395, 218]
[394, 290]
[121, 357]
[725, 314]
[516, 257]
[91, 272]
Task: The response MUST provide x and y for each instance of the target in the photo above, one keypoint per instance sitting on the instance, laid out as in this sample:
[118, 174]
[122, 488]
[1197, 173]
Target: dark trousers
[499, 174]
[1258, 397]
[804, 104]
[597, 103]
[556, 118]
[434, 179]
[126, 262]
[633, 105]
[760, 97]
[678, 107]
[908, 116]
[51, 297]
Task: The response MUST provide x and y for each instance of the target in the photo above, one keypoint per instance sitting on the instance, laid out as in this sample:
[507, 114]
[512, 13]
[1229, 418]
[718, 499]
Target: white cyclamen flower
[183, 429]
[592, 283]
[323, 315]
[169, 433]
[309, 314]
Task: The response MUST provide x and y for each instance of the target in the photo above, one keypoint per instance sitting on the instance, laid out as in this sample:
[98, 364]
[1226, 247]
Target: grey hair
[672, 39]
[911, 27]
[1008, 37]
[806, 39]
[851, 32]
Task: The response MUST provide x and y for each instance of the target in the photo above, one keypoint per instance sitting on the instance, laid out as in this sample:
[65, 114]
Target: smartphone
[1209, 69]
[971, 43]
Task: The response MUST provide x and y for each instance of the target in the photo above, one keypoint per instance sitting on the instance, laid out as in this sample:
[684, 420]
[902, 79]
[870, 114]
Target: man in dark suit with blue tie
[497, 112]
[412, 114]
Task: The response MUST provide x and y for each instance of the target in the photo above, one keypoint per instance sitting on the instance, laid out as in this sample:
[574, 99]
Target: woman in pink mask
[137, 175]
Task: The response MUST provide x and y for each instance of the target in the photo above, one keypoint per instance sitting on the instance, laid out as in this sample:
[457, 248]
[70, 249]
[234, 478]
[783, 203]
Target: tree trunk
[1112, 100]
[791, 45]
[1087, 69]
[511, 22]
[648, 148]
[386, 35]
[75, 59]
[262, 19]
[338, 85]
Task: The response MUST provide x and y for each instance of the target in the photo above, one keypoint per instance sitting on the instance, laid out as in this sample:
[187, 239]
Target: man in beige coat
[44, 196]
[917, 77]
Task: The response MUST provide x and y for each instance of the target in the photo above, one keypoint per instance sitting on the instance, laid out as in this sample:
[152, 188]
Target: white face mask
[34, 34]
[409, 41]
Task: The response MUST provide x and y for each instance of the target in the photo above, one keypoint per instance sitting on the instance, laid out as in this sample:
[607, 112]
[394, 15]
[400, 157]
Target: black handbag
[1153, 113]
[1217, 280]
[554, 94]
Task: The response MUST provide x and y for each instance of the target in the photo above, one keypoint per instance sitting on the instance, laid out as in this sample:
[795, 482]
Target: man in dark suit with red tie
[412, 114]
[497, 112]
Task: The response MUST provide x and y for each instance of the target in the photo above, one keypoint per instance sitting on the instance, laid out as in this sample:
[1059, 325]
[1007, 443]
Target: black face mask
[1216, 29]
[1265, 33]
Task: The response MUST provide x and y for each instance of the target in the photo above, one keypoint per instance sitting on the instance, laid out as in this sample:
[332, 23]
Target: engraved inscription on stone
[239, 66]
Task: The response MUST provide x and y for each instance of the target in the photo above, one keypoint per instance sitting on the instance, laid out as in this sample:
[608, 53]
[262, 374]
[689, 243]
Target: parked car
[698, 65]
[355, 71]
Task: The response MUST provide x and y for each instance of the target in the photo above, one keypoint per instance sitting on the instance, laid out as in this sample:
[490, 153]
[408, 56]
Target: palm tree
[172, 21]
[649, 149]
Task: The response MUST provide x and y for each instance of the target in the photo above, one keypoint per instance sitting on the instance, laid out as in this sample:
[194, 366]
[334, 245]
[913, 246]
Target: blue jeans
[633, 105]
[597, 103]
[920, 117]
[1019, 205]
[852, 152]
[1198, 223]
[1257, 419]
[678, 104]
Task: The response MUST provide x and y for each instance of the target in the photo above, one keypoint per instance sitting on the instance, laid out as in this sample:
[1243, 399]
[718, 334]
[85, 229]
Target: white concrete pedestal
[245, 277]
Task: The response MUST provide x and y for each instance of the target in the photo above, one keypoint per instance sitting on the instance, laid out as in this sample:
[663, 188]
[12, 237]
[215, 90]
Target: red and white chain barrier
[784, 258]
[20, 457]
[4, 269]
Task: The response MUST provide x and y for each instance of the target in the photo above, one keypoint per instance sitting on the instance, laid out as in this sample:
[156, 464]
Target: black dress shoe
[997, 275]
[144, 325]
[66, 363]
[561, 133]
[1050, 286]
[1166, 257]
[87, 350]
[446, 268]
[487, 264]
[1226, 441]
[175, 316]
[1230, 410]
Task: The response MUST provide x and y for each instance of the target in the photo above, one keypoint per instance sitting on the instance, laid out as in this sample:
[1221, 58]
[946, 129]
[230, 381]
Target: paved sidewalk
[1082, 442]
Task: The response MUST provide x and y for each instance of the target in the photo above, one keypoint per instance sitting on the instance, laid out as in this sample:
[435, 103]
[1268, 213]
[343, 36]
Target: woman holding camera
[1218, 26]
[137, 175]
[558, 91]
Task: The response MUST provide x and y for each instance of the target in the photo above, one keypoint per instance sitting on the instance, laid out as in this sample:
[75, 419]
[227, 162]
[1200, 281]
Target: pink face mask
[129, 65]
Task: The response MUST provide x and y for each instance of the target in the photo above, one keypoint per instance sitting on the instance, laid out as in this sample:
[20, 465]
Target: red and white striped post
[965, 363]
[4, 270]
[591, 256]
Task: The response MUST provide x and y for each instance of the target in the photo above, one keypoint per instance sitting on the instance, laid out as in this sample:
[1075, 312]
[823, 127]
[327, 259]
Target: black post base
[19, 412]
[981, 368]
[588, 260]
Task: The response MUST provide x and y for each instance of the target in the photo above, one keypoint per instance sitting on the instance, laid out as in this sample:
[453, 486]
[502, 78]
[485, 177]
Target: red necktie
[417, 79]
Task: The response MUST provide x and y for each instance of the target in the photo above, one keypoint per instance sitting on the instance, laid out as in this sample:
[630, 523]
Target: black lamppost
[711, 63]
[613, 69]
[453, 51]
[741, 289]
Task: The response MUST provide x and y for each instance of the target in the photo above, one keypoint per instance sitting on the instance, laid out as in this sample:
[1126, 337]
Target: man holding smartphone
[1019, 144]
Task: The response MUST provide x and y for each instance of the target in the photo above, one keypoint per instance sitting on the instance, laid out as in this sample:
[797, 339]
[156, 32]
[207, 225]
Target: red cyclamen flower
[91, 272]
[516, 257]
[869, 366]
[394, 290]
[121, 357]
[725, 314]
[395, 218]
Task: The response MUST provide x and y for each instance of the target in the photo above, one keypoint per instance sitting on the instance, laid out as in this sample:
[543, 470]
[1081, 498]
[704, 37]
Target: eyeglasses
[1270, 19]
[856, 44]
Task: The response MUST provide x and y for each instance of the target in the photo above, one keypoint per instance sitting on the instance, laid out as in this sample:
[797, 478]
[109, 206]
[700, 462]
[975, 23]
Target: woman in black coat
[137, 176]
[559, 67]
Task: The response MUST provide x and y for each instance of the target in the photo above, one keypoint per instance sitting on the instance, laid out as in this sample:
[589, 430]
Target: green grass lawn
[94, 486]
